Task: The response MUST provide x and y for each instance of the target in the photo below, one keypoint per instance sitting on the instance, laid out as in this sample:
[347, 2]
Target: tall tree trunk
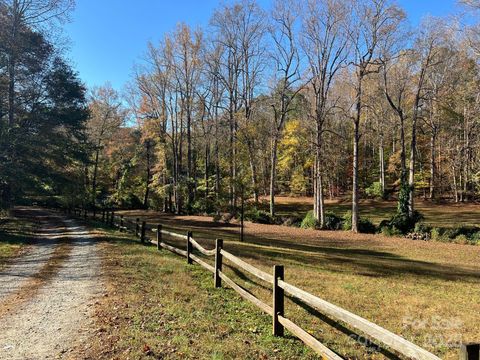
[147, 175]
[455, 187]
[355, 210]
[94, 179]
[411, 170]
[217, 160]
[273, 173]
[232, 159]
[382, 165]
[253, 171]
[190, 181]
[207, 161]
[356, 139]
[403, 152]
[433, 138]
[318, 208]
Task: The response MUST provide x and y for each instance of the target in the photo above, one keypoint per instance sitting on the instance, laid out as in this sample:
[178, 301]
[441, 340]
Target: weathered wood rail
[376, 333]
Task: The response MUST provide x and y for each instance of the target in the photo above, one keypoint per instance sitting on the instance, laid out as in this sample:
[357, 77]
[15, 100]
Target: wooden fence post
[189, 247]
[103, 215]
[159, 236]
[278, 300]
[121, 223]
[112, 219]
[85, 214]
[142, 236]
[218, 262]
[137, 227]
[470, 351]
[94, 213]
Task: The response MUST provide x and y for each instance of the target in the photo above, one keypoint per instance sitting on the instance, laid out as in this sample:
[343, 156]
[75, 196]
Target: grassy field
[158, 307]
[427, 292]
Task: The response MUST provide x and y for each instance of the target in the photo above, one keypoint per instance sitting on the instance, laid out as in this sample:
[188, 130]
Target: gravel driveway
[46, 296]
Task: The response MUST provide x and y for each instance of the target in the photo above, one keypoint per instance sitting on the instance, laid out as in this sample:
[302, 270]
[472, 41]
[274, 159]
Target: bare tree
[374, 22]
[287, 75]
[187, 68]
[326, 45]
[397, 77]
[427, 50]
[226, 37]
[240, 28]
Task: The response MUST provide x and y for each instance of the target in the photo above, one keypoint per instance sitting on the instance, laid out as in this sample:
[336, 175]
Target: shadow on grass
[349, 260]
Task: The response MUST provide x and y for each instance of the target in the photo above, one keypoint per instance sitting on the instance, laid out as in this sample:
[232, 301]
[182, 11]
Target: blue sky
[108, 36]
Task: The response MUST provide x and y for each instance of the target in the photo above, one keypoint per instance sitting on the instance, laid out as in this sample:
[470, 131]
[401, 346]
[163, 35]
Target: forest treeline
[322, 98]
[43, 106]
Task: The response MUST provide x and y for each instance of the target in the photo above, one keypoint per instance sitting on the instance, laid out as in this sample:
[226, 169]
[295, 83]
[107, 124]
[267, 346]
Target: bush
[388, 231]
[347, 221]
[422, 228]
[475, 238]
[293, 220]
[461, 239]
[258, 216]
[375, 190]
[402, 223]
[201, 207]
[436, 233]
[364, 225]
[453, 233]
[332, 221]
[309, 221]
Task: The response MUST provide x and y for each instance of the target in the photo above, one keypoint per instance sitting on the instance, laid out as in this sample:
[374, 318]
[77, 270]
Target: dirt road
[46, 295]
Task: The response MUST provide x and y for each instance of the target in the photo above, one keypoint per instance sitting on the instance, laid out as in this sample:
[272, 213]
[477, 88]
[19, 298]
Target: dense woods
[321, 98]
[42, 104]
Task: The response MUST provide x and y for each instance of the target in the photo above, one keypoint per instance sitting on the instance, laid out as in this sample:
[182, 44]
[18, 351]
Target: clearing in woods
[420, 290]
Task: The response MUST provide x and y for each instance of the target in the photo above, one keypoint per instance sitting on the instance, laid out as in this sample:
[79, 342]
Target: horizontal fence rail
[279, 288]
[247, 267]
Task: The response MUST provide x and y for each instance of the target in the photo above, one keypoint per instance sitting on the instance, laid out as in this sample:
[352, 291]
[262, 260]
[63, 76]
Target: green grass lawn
[158, 307]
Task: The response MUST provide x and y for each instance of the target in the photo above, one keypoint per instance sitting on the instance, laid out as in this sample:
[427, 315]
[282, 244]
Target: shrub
[388, 231]
[422, 228]
[332, 221]
[364, 225]
[475, 238]
[258, 216]
[202, 207]
[293, 220]
[404, 223]
[461, 239]
[347, 221]
[375, 190]
[309, 221]
[436, 233]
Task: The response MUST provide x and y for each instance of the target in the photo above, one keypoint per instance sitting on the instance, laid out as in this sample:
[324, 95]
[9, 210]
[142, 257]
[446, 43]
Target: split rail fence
[280, 287]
